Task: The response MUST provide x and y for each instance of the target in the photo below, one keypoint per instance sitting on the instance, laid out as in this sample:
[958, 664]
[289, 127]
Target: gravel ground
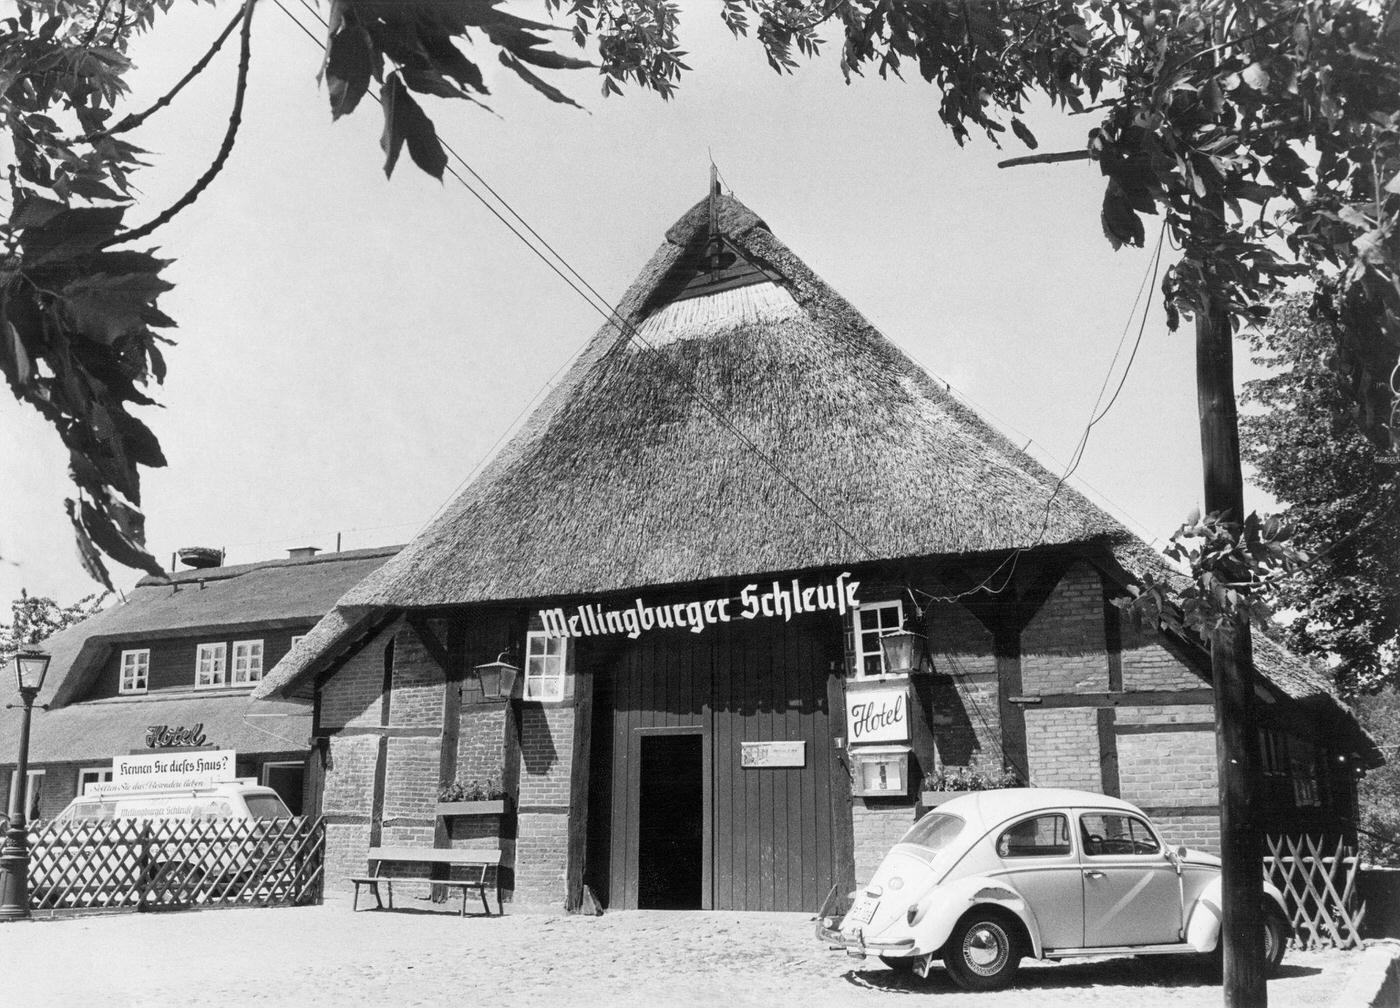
[314, 956]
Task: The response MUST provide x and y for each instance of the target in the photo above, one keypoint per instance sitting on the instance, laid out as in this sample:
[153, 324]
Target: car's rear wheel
[984, 951]
[1277, 931]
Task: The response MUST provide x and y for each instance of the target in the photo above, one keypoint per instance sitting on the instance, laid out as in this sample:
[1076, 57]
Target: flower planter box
[932, 799]
[469, 808]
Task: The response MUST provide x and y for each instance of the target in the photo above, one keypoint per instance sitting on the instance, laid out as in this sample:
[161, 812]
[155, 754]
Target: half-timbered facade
[691, 552]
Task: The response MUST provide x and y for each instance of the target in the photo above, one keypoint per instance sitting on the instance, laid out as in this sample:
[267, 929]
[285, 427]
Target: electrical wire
[628, 332]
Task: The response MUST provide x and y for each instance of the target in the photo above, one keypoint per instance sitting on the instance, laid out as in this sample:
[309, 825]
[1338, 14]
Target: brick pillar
[542, 820]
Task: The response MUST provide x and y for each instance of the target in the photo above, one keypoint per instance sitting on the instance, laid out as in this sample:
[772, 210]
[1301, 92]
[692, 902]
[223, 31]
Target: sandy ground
[328, 956]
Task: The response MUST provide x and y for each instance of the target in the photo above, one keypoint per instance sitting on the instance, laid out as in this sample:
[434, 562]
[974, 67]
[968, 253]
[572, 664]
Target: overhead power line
[559, 265]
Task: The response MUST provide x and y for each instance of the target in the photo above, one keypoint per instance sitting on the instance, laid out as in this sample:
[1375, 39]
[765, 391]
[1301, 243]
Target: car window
[266, 806]
[1106, 833]
[934, 831]
[1043, 836]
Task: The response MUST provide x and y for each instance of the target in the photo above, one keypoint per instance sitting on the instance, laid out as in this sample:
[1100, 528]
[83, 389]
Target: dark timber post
[1242, 935]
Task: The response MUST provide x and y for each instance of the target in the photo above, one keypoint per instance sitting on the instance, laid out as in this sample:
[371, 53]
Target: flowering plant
[962, 778]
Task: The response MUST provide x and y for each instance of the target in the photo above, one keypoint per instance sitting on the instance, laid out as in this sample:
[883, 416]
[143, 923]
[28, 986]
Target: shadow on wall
[537, 751]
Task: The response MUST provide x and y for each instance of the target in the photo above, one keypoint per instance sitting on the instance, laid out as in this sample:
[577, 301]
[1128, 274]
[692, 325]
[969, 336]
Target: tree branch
[1077, 155]
[132, 121]
[234, 121]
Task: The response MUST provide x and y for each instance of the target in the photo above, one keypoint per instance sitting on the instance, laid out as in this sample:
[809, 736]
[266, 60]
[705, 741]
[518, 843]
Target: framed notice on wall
[773, 754]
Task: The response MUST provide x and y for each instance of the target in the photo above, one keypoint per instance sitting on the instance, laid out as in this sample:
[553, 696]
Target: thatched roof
[766, 427]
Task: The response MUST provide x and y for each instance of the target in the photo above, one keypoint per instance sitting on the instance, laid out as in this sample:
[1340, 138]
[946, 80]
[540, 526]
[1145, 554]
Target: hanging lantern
[905, 652]
[497, 678]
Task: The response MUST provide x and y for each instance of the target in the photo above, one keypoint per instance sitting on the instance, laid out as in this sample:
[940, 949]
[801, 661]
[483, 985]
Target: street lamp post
[30, 669]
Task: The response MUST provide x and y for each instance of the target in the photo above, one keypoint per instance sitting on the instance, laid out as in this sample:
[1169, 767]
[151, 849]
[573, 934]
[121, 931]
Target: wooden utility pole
[1231, 658]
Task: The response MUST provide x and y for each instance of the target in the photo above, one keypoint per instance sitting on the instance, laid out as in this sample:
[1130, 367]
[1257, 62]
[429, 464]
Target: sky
[350, 348]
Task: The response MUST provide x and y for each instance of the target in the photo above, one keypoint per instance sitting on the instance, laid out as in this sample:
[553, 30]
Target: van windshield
[935, 831]
[266, 806]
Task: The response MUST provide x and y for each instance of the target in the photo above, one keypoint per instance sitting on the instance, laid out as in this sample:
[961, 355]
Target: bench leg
[356, 905]
[484, 905]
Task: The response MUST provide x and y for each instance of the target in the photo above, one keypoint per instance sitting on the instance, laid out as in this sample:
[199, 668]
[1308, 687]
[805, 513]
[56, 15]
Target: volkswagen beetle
[990, 877]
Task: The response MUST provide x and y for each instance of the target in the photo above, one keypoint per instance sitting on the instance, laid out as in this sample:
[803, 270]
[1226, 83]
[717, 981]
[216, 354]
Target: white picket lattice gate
[139, 864]
[1320, 890]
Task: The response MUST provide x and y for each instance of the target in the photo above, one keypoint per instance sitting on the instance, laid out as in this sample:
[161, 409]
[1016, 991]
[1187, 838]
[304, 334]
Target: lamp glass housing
[904, 651]
[31, 666]
[497, 679]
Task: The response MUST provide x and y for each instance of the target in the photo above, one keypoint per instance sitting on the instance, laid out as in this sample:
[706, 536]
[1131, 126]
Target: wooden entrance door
[773, 835]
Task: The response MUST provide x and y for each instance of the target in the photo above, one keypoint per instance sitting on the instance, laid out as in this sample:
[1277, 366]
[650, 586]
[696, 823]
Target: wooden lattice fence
[140, 864]
[1320, 890]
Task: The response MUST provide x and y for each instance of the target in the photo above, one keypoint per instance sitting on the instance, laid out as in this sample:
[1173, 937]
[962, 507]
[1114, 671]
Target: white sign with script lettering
[879, 715]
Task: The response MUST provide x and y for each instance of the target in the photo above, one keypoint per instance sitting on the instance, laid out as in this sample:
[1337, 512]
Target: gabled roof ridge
[237, 570]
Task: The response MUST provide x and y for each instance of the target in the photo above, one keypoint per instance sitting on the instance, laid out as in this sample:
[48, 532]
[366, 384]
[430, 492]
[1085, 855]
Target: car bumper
[857, 946]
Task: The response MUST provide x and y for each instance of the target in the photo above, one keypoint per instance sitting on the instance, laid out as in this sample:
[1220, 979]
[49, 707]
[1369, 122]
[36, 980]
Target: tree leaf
[348, 67]
[1024, 133]
[391, 140]
[1255, 76]
[106, 308]
[109, 537]
[543, 87]
[87, 552]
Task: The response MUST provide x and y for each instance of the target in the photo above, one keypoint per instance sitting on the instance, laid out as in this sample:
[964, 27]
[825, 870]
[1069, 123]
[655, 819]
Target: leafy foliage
[1343, 498]
[962, 778]
[1378, 795]
[1266, 133]
[34, 619]
[1234, 567]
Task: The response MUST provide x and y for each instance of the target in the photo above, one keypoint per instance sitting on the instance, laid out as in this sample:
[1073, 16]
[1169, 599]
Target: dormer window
[247, 662]
[211, 665]
[135, 671]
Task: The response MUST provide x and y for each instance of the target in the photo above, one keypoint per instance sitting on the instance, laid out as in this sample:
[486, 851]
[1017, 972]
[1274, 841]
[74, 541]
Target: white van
[234, 800]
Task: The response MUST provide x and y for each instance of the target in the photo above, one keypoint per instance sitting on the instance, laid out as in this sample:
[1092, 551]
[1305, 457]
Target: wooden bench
[482, 867]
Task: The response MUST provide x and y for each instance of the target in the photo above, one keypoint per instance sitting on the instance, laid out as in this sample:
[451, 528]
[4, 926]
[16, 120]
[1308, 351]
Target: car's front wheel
[984, 951]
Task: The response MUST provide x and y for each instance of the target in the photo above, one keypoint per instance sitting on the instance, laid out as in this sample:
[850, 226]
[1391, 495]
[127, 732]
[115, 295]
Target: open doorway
[671, 823]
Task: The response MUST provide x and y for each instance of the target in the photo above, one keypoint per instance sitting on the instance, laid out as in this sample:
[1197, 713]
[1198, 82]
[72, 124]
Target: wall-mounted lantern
[497, 678]
[905, 652]
[880, 771]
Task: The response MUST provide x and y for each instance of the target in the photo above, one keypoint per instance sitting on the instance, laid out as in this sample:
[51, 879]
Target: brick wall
[1063, 648]
[352, 696]
[411, 779]
[1062, 748]
[542, 825]
[481, 741]
[1199, 832]
[1167, 768]
[877, 823]
[418, 682]
[967, 715]
[349, 791]
[1151, 662]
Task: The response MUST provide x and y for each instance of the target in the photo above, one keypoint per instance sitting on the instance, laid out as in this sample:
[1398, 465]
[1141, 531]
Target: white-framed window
[93, 775]
[136, 669]
[868, 622]
[247, 662]
[32, 792]
[210, 665]
[545, 666]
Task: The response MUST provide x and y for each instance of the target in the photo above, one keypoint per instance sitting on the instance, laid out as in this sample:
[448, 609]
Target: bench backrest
[435, 855]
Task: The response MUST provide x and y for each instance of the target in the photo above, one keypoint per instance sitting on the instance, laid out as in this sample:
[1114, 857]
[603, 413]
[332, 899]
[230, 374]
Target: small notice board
[773, 754]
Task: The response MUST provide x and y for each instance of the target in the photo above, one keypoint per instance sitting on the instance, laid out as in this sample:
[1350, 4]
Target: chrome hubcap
[985, 948]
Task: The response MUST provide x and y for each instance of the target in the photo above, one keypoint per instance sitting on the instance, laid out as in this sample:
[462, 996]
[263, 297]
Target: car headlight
[896, 883]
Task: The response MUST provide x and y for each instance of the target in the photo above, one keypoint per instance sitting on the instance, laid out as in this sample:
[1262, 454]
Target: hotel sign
[780, 599]
[159, 736]
[878, 715]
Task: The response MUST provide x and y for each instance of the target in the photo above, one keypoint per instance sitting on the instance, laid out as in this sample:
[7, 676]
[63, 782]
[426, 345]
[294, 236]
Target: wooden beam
[1108, 752]
[434, 647]
[1141, 698]
[1007, 642]
[580, 776]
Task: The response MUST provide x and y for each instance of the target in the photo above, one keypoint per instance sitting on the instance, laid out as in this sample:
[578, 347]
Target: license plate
[862, 910]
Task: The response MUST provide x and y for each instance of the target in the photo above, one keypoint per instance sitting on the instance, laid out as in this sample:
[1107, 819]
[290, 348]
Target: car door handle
[1093, 873]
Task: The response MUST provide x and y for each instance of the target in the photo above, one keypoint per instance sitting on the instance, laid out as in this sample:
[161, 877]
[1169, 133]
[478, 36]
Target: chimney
[201, 557]
[303, 552]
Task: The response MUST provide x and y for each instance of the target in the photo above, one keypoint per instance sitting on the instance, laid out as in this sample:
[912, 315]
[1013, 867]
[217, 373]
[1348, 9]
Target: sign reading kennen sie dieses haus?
[782, 600]
[170, 770]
